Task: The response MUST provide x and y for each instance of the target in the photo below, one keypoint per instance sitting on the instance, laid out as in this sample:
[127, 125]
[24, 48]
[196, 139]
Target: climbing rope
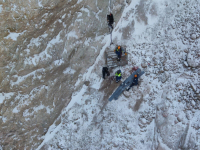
[111, 37]
[109, 6]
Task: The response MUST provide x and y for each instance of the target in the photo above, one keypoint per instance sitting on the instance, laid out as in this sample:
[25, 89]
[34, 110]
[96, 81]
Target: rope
[109, 5]
[111, 37]
[121, 35]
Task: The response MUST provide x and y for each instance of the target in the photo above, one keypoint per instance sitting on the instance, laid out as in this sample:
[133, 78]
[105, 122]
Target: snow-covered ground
[163, 112]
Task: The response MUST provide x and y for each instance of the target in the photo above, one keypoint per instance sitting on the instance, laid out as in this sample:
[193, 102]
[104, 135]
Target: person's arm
[113, 19]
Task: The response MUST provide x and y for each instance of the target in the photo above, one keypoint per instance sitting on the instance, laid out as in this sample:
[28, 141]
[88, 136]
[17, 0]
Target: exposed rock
[87, 83]
[193, 36]
[144, 65]
[164, 77]
[193, 86]
[185, 63]
[179, 119]
[192, 60]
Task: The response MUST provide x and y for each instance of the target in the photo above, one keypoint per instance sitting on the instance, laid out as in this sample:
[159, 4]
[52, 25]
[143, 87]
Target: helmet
[135, 75]
[119, 47]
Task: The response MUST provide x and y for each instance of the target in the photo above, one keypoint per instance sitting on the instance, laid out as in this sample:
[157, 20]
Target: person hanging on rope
[110, 21]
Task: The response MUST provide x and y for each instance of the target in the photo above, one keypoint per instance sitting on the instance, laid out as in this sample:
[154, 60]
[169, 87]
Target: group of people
[118, 75]
[119, 51]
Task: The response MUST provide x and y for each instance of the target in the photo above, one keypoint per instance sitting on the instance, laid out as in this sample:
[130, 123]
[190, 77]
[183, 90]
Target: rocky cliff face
[52, 95]
[45, 46]
[162, 113]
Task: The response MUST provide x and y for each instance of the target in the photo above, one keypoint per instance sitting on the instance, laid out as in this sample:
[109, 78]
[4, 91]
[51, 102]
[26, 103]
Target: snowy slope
[163, 112]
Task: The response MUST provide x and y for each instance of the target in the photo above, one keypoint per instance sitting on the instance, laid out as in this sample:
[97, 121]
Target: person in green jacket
[118, 75]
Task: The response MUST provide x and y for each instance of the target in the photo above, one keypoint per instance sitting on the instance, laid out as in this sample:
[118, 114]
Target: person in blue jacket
[135, 82]
[118, 75]
[119, 50]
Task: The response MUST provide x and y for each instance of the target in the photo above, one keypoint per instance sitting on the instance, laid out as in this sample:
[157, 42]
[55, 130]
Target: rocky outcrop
[45, 47]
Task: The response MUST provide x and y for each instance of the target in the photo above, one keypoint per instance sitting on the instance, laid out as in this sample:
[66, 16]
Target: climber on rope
[105, 72]
[134, 82]
[118, 75]
[119, 50]
[110, 21]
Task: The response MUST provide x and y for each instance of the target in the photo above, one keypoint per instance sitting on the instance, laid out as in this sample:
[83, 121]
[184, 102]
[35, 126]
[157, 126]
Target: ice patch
[54, 41]
[50, 134]
[14, 8]
[76, 98]
[63, 16]
[87, 42]
[69, 70]
[26, 113]
[86, 10]
[72, 34]
[44, 35]
[79, 14]
[79, 1]
[40, 4]
[13, 36]
[4, 96]
[3, 118]
[1, 8]
[59, 62]
[43, 55]
[22, 78]
[15, 110]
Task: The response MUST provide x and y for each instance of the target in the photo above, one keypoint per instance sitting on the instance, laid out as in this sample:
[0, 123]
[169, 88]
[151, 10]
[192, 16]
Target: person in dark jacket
[135, 82]
[110, 20]
[118, 51]
[105, 72]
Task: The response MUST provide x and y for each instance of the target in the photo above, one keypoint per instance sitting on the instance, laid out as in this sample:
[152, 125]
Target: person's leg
[117, 79]
[108, 73]
[120, 78]
[132, 84]
[110, 27]
[118, 55]
[103, 72]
